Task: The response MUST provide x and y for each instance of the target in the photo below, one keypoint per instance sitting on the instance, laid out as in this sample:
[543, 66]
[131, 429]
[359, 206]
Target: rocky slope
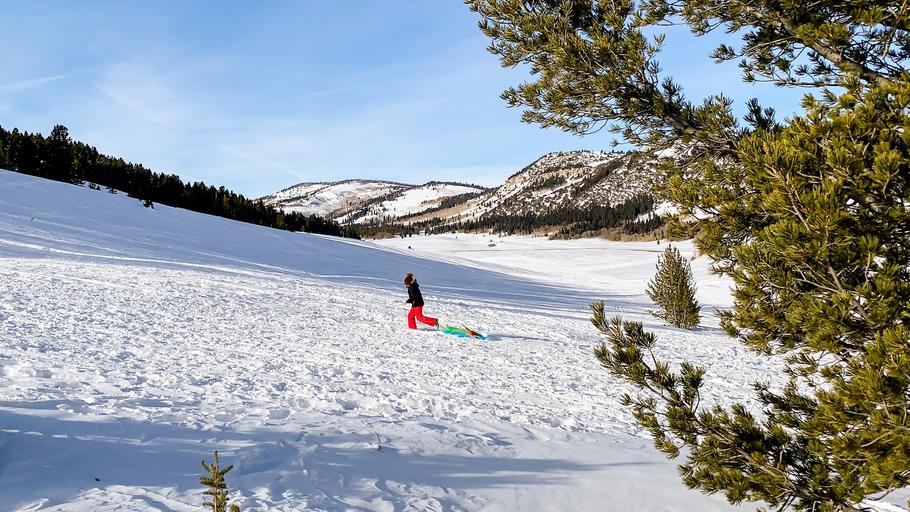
[331, 199]
[554, 182]
[409, 202]
[567, 179]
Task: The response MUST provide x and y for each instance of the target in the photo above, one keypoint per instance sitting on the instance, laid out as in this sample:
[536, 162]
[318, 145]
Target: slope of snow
[410, 201]
[596, 264]
[133, 342]
[328, 199]
[294, 192]
[360, 201]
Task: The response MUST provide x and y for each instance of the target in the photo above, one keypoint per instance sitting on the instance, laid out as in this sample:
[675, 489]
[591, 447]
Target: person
[415, 299]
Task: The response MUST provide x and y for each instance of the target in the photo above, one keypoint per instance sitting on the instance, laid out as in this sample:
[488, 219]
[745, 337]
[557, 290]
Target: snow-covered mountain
[411, 201]
[573, 179]
[358, 201]
[331, 199]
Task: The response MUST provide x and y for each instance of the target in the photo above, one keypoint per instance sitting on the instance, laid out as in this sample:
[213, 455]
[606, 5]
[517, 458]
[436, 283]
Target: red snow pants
[416, 314]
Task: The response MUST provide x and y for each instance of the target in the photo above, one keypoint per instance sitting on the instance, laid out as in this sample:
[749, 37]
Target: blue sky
[260, 96]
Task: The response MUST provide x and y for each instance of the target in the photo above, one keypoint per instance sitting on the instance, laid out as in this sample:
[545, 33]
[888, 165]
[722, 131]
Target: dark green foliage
[641, 227]
[574, 221]
[601, 172]
[817, 240]
[4, 157]
[809, 218]
[455, 200]
[460, 183]
[386, 225]
[216, 488]
[382, 230]
[673, 289]
[58, 157]
[58, 160]
[727, 451]
[546, 183]
[595, 66]
[566, 222]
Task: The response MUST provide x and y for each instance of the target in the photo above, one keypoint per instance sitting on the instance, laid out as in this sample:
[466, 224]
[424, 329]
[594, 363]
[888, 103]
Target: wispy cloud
[143, 91]
[257, 159]
[24, 85]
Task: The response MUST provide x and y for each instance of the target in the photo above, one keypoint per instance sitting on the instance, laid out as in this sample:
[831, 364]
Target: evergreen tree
[216, 487]
[58, 156]
[673, 289]
[809, 218]
[4, 157]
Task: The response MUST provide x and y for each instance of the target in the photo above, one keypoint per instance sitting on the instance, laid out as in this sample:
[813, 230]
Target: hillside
[576, 179]
[409, 202]
[359, 201]
[569, 194]
[58, 157]
[558, 189]
[135, 341]
[331, 199]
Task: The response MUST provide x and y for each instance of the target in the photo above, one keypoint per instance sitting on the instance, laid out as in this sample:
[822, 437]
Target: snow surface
[410, 202]
[596, 266]
[327, 199]
[360, 201]
[135, 341]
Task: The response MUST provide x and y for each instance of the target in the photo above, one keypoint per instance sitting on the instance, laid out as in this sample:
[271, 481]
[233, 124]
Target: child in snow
[415, 299]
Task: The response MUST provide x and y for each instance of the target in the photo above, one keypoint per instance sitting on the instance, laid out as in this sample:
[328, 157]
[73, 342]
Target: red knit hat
[408, 278]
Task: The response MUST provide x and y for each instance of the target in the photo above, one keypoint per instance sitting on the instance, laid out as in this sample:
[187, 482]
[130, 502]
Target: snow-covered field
[133, 342]
[597, 266]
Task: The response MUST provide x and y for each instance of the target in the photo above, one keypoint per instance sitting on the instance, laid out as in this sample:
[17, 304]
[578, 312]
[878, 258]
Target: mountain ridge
[560, 181]
[343, 198]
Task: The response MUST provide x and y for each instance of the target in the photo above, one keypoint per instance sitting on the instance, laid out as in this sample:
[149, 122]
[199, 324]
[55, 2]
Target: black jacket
[414, 296]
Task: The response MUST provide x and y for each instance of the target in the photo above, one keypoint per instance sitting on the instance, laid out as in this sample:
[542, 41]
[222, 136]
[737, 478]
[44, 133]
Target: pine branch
[216, 487]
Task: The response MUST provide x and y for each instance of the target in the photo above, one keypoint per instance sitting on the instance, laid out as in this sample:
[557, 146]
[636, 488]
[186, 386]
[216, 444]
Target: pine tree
[60, 158]
[216, 488]
[4, 156]
[673, 289]
[809, 218]
[59, 163]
